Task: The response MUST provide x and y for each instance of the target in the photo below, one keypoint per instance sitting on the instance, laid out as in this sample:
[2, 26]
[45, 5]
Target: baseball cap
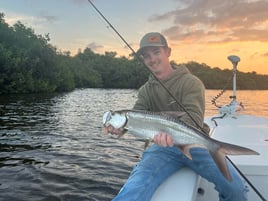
[152, 39]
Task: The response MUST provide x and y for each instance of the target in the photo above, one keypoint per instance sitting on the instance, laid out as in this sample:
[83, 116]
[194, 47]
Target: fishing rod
[141, 60]
[171, 95]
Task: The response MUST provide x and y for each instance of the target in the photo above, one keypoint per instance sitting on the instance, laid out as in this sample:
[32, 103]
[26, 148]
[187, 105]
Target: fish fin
[220, 160]
[231, 149]
[219, 156]
[186, 150]
[147, 142]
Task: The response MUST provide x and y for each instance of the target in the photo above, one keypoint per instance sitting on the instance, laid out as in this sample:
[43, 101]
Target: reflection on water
[52, 146]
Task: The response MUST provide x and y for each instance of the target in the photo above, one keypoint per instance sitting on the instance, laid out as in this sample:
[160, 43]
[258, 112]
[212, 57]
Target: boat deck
[243, 130]
[248, 131]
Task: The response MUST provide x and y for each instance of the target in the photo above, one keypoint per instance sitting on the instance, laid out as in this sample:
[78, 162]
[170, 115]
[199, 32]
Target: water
[52, 147]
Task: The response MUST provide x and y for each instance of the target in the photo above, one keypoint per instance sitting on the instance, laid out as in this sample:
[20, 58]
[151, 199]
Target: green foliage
[29, 64]
[114, 72]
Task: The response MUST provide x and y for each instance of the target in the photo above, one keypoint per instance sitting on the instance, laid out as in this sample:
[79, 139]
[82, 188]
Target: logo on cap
[154, 39]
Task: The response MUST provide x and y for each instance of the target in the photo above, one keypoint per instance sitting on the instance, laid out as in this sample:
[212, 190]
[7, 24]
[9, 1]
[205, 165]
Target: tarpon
[145, 124]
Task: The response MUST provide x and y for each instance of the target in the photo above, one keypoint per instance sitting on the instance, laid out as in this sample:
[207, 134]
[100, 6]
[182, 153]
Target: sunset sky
[205, 31]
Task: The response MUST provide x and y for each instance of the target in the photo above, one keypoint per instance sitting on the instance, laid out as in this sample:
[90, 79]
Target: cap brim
[140, 51]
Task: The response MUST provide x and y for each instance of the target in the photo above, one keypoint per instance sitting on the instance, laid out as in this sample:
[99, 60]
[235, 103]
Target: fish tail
[219, 156]
[220, 160]
[231, 149]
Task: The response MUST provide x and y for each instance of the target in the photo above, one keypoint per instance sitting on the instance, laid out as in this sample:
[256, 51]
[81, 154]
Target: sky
[204, 31]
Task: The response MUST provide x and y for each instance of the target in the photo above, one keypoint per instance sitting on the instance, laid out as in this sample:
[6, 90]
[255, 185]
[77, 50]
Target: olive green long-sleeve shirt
[188, 90]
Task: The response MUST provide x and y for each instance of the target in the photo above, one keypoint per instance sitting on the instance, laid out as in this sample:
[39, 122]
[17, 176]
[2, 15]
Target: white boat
[232, 126]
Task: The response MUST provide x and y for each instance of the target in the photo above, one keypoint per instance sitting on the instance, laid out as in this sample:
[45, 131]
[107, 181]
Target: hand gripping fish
[145, 124]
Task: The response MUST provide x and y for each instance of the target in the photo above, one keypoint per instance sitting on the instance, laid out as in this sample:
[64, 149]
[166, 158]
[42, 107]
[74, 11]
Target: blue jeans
[158, 163]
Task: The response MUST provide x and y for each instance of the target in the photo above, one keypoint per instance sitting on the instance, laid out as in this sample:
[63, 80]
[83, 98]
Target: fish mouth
[116, 119]
[106, 117]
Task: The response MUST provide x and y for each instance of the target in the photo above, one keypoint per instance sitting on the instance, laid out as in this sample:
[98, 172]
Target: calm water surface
[52, 146]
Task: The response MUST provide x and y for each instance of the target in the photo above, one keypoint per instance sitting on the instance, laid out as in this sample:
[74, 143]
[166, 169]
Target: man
[162, 159]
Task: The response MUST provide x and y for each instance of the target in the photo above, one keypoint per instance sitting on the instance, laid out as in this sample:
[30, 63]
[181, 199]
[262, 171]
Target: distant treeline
[30, 64]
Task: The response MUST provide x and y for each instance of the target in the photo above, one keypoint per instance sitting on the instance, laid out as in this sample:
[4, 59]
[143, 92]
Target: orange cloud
[216, 27]
[221, 20]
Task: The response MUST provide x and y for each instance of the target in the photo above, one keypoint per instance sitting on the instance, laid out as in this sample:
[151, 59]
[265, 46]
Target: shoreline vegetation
[30, 64]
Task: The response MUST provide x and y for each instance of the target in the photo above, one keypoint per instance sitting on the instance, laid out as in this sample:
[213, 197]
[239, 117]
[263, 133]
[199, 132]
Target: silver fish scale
[147, 124]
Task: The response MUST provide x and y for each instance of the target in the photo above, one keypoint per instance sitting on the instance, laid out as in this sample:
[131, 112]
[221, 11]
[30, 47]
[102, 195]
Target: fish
[146, 124]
